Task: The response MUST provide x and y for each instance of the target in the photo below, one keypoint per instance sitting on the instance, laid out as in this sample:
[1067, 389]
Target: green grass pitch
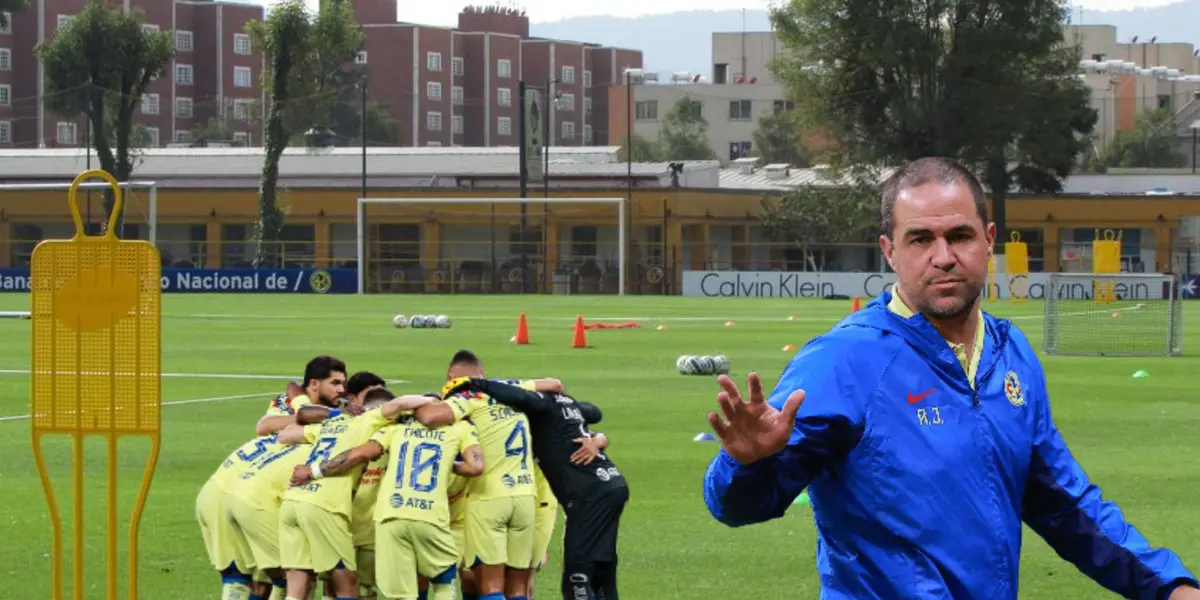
[1136, 437]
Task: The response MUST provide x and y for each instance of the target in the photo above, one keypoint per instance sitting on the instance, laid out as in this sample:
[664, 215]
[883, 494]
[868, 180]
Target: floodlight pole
[522, 141]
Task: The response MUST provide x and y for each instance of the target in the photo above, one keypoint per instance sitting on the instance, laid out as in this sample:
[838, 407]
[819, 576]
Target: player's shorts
[314, 539]
[411, 548]
[500, 531]
[365, 557]
[544, 517]
[214, 528]
[254, 532]
[591, 524]
[458, 529]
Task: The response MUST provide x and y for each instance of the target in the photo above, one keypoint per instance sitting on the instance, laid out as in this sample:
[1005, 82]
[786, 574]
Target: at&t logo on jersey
[397, 500]
[508, 481]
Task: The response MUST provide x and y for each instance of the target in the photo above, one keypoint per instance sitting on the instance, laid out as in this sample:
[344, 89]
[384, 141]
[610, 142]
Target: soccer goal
[1113, 314]
[491, 245]
[140, 200]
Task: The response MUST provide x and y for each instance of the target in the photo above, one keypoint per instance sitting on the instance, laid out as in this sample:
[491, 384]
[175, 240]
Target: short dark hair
[377, 396]
[465, 357]
[928, 170]
[361, 381]
[322, 367]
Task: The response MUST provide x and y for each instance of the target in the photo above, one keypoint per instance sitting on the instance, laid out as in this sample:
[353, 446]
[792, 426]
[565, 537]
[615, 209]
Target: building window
[433, 144]
[504, 68]
[63, 20]
[183, 107]
[66, 133]
[433, 90]
[567, 103]
[433, 121]
[568, 130]
[456, 124]
[740, 150]
[151, 137]
[149, 28]
[149, 104]
[6, 28]
[360, 58]
[433, 61]
[241, 77]
[568, 74]
[739, 110]
[504, 97]
[645, 110]
[5, 59]
[241, 138]
[182, 136]
[456, 95]
[457, 67]
[183, 41]
[5, 95]
[587, 106]
[183, 74]
[504, 126]
[241, 44]
[782, 106]
[587, 134]
[587, 79]
[241, 109]
[5, 132]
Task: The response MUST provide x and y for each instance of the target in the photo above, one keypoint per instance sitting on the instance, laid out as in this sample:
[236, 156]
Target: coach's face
[939, 248]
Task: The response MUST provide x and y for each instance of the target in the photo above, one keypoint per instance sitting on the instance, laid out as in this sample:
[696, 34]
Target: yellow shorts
[459, 532]
[214, 529]
[543, 529]
[411, 548]
[365, 557]
[254, 531]
[314, 539]
[500, 531]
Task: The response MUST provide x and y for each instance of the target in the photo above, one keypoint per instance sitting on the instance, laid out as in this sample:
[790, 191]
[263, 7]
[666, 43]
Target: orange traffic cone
[580, 340]
[856, 305]
[522, 337]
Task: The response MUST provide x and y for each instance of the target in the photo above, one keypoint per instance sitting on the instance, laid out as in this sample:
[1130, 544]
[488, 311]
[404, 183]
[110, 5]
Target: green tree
[777, 141]
[98, 65]
[1151, 143]
[307, 56]
[684, 134]
[845, 209]
[992, 84]
[644, 150]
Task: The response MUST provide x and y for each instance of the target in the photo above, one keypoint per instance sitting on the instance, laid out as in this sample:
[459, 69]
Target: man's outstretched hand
[752, 430]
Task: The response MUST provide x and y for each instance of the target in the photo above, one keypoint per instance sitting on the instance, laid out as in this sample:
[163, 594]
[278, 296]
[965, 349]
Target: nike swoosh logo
[915, 399]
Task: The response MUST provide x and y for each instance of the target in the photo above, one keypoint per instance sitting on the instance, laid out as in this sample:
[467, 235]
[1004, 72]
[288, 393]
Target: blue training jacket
[919, 484]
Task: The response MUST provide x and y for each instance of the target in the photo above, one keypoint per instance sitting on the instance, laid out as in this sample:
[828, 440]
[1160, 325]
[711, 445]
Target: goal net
[490, 245]
[39, 211]
[1118, 314]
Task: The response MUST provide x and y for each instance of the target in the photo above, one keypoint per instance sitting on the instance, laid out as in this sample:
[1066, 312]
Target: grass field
[1136, 437]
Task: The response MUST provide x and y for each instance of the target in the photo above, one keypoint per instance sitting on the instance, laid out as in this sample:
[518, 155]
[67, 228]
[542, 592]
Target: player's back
[263, 483]
[504, 439]
[335, 436]
[554, 443]
[420, 469]
[241, 460]
[362, 519]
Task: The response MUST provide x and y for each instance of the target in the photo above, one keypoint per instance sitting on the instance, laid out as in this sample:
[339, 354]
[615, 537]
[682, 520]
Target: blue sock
[422, 595]
[496, 596]
[256, 597]
[519, 598]
[470, 597]
[347, 599]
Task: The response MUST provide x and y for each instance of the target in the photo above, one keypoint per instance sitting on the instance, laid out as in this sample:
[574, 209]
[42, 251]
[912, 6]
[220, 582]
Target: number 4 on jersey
[517, 444]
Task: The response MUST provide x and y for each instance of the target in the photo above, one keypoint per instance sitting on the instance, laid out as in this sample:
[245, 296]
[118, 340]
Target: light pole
[632, 77]
[1195, 127]
[362, 88]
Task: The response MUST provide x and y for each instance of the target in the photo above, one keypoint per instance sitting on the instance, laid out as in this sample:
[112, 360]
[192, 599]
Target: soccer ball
[705, 366]
[721, 364]
[400, 321]
[416, 321]
[695, 365]
[685, 366]
[442, 321]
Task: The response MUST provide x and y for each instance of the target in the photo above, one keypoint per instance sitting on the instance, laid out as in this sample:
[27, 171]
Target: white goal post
[361, 218]
[1113, 314]
[152, 186]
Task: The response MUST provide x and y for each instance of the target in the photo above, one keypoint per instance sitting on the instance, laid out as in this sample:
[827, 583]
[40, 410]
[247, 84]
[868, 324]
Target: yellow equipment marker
[96, 368]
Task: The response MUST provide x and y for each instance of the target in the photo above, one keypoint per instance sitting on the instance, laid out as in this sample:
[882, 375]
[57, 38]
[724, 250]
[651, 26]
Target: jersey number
[426, 457]
[260, 448]
[321, 450]
[517, 444]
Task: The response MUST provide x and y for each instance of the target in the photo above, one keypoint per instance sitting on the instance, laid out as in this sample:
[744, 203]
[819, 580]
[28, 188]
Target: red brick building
[215, 73]
[463, 86]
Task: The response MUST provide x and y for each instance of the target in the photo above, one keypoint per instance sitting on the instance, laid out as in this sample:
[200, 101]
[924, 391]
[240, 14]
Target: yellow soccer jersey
[545, 496]
[336, 435]
[282, 407]
[418, 474]
[457, 490]
[504, 437]
[241, 460]
[263, 484]
[362, 517]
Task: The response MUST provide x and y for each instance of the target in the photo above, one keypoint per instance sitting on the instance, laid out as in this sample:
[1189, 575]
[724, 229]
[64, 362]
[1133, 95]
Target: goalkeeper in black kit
[593, 496]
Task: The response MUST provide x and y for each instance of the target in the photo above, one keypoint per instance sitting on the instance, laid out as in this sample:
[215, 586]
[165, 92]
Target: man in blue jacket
[922, 430]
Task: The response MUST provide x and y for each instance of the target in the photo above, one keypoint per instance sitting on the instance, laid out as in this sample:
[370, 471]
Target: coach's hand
[753, 430]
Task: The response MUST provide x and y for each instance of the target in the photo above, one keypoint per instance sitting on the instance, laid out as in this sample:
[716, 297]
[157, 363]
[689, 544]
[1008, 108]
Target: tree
[98, 65]
[684, 134]
[843, 210]
[307, 56]
[992, 84]
[644, 150]
[1151, 143]
[777, 140]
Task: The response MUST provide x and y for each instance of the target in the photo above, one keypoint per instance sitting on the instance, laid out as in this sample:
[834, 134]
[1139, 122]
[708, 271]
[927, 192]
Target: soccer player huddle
[352, 491]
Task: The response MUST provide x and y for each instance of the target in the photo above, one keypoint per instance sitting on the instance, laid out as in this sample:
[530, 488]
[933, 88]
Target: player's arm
[402, 405]
[340, 464]
[450, 410]
[272, 423]
[829, 425]
[512, 396]
[591, 413]
[299, 434]
[548, 385]
[471, 464]
[1068, 511]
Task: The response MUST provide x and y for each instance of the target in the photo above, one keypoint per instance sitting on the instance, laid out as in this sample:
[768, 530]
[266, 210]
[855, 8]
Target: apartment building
[215, 74]
[463, 88]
